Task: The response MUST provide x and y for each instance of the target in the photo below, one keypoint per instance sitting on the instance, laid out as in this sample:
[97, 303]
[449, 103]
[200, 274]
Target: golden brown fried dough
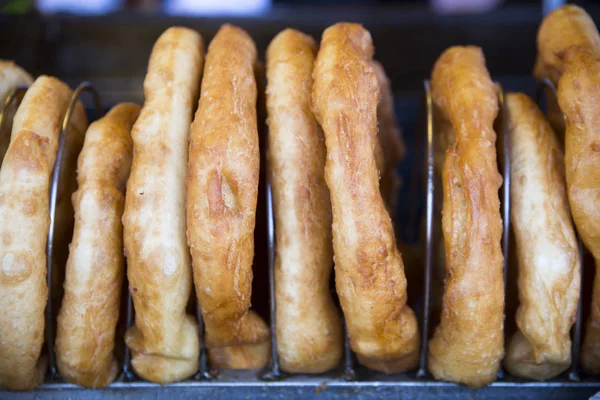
[566, 26]
[309, 330]
[579, 100]
[222, 186]
[164, 340]
[369, 269]
[24, 222]
[11, 76]
[548, 257]
[467, 346]
[90, 308]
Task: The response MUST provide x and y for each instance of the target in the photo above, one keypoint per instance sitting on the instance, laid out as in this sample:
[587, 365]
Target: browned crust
[566, 26]
[548, 257]
[578, 97]
[24, 222]
[11, 76]
[467, 346]
[164, 340]
[223, 174]
[95, 268]
[309, 334]
[369, 269]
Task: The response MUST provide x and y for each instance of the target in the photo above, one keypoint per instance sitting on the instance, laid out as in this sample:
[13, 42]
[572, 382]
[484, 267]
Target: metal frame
[274, 374]
[429, 193]
[247, 387]
[54, 183]
[346, 381]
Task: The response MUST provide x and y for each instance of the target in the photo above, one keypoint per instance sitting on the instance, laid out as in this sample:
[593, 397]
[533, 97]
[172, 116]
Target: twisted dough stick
[164, 340]
[467, 346]
[90, 307]
[309, 334]
[369, 270]
[548, 257]
[221, 202]
[579, 99]
[24, 223]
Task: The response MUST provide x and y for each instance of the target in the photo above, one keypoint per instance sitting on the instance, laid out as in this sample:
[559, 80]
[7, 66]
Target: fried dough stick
[164, 340]
[95, 269]
[309, 330]
[468, 344]
[223, 175]
[548, 257]
[370, 276]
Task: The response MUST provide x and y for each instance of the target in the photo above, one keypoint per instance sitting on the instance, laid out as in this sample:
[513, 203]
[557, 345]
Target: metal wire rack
[54, 184]
[349, 379]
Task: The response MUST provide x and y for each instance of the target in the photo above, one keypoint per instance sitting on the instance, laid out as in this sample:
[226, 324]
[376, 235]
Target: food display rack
[84, 49]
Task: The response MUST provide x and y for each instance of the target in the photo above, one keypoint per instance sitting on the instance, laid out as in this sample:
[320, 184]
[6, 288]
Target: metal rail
[275, 373]
[430, 189]
[54, 184]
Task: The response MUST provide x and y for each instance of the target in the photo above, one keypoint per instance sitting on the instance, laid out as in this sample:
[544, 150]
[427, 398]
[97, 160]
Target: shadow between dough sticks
[390, 148]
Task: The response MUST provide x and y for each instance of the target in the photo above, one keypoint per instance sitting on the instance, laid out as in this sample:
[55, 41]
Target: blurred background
[229, 7]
